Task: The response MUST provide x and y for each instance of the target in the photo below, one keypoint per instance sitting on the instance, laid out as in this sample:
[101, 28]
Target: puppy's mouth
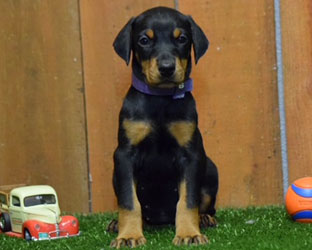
[166, 84]
[164, 73]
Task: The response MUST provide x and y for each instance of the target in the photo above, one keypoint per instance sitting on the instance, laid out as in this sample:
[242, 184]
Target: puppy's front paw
[188, 240]
[122, 242]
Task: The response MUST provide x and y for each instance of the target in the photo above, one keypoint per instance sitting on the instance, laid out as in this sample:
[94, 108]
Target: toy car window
[16, 201]
[3, 199]
[39, 200]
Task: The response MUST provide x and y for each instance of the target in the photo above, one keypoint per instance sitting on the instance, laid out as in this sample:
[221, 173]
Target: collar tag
[181, 85]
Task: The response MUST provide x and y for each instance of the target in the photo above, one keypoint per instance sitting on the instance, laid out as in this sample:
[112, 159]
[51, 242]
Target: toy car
[33, 213]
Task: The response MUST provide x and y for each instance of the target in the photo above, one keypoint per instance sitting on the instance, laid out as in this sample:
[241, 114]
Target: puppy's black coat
[162, 174]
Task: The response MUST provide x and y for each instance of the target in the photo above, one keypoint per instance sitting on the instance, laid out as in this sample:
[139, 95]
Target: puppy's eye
[182, 39]
[144, 40]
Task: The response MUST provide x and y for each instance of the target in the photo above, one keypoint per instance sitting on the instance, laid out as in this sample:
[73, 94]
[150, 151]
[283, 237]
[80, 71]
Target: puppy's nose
[166, 67]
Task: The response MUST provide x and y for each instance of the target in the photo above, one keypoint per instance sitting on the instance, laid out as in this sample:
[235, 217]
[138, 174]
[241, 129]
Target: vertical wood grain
[236, 93]
[297, 56]
[107, 79]
[42, 122]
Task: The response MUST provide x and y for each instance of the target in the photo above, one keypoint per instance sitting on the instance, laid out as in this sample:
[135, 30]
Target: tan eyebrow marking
[150, 33]
[176, 33]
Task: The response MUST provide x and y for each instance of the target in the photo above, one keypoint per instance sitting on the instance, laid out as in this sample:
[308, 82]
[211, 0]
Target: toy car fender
[38, 230]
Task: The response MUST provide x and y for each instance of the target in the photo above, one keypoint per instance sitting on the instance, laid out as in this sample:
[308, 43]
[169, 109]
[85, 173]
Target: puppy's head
[161, 39]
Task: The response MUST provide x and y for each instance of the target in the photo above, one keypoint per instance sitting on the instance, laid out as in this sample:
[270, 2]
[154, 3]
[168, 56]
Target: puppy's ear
[122, 43]
[200, 41]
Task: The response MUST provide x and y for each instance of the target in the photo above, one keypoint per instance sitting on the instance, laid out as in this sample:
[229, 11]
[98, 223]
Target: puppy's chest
[138, 130]
[158, 119]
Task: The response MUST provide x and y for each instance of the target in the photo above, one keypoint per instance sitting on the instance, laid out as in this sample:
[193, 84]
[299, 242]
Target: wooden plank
[7, 188]
[297, 54]
[236, 93]
[42, 124]
[107, 80]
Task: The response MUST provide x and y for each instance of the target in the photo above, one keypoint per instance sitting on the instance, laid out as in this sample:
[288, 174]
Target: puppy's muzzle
[166, 67]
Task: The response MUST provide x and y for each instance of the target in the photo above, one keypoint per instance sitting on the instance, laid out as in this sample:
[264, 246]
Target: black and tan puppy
[162, 174]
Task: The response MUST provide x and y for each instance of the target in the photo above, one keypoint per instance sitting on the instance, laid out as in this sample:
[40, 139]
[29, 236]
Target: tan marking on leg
[150, 34]
[182, 131]
[176, 33]
[136, 131]
[130, 227]
[181, 67]
[150, 70]
[187, 222]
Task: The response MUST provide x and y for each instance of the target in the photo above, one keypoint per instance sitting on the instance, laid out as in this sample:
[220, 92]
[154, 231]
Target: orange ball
[299, 200]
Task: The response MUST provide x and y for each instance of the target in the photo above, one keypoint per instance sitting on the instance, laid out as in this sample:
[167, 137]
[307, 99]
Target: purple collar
[176, 92]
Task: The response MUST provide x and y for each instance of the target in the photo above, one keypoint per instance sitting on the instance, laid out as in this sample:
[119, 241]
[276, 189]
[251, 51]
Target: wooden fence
[62, 85]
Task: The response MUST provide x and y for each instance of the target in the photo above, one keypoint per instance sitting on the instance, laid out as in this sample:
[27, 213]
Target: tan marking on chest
[136, 131]
[182, 131]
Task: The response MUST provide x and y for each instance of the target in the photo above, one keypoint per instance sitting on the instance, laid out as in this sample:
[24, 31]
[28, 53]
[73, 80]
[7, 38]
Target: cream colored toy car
[33, 213]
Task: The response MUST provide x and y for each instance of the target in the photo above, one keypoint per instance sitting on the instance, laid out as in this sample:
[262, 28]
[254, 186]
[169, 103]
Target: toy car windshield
[39, 200]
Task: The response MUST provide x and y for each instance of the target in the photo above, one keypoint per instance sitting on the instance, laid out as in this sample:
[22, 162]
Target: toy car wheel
[27, 235]
[5, 223]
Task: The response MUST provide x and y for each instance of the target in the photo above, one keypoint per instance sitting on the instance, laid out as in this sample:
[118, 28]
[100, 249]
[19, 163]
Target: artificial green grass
[238, 229]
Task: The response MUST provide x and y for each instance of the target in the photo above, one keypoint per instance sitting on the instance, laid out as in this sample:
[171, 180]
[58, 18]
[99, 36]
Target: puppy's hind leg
[112, 226]
[209, 191]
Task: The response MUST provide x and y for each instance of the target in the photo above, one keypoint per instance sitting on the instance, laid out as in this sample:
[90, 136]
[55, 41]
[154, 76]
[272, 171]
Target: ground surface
[241, 229]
